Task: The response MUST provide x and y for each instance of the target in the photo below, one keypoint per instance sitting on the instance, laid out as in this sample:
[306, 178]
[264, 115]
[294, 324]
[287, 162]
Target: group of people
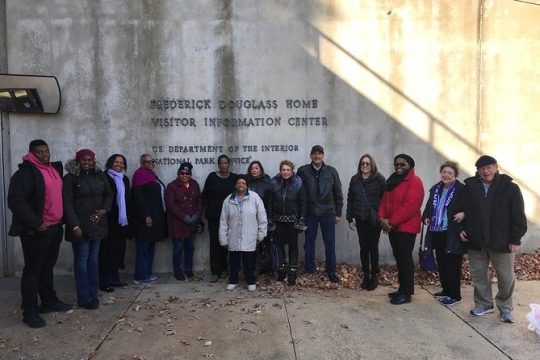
[101, 209]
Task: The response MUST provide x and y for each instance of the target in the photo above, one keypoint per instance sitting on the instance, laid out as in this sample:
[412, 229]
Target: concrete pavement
[197, 320]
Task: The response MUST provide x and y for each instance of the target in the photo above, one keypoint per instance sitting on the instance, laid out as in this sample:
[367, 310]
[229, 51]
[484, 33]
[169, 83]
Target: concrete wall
[435, 79]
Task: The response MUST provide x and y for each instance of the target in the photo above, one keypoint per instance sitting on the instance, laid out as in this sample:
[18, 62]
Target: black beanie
[407, 158]
[36, 143]
[485, 160]
[185, 166]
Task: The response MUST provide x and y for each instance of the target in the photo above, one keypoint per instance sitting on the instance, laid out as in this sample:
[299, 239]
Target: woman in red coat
[184, 207]
[400, 217]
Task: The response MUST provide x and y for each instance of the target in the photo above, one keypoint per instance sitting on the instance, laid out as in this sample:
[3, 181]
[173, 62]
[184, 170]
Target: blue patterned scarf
[439, 219]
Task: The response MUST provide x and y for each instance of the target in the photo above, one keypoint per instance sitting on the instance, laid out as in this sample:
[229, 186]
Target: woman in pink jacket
[399, 215]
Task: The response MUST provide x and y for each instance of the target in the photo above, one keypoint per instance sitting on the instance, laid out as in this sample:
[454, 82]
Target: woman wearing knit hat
[400, 217]
[87, 200]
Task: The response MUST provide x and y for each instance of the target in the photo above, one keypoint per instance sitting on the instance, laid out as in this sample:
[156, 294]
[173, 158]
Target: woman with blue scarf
[442, 234]
[113, 249]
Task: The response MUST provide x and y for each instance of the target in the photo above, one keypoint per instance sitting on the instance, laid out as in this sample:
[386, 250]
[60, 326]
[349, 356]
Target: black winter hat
[317, 148]
[406, 157]
[185, 166]
[485, 160]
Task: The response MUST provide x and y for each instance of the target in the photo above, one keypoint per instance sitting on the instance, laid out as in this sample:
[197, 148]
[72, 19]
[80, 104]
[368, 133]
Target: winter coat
[240, 228]
[181, 202]
[261, 186]
[214, 192]
[454, 245]
[357, 206]
[287, 200]
[84, 192]
[26, 198]
[323, 190]
[402, 204]
[148, 202]
[496, 221]
[112, 250]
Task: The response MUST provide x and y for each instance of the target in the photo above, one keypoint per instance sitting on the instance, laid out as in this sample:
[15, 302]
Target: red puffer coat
[402, 204]
[182, 201]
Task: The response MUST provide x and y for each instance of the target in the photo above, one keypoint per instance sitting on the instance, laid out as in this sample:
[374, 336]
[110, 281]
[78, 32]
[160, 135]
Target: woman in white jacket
[242, 224]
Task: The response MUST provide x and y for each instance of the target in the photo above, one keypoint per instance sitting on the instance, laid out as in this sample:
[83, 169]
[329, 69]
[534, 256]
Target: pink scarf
[53, 210]
[143, 176]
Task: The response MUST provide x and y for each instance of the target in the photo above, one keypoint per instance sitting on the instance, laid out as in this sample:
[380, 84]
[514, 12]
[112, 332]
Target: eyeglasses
[184, 173]
[149, 161]
[400, 164]
[365, 163]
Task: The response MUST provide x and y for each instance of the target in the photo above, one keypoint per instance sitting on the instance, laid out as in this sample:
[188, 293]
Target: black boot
[292, 275]
[365, 282]
[373, 282]
[282, 273]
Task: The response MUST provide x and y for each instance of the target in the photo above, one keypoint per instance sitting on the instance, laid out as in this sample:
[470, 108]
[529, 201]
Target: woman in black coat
[113, 248]
[148, 218]
[87, 199]
[365, 192]
[443, 234]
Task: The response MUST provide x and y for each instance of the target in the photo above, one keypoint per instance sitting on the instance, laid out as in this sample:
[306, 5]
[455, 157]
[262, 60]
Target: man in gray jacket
[324, 206]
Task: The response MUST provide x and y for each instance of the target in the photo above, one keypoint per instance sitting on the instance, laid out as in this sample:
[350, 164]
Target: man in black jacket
[494, 224]
[35, 198]
[324, 206]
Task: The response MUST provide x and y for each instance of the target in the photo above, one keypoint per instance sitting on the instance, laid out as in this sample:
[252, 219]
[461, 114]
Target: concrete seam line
[472, 327]
[290, 326]
[116, 323]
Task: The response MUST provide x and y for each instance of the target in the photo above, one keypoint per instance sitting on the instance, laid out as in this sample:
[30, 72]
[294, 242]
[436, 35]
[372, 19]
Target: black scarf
[394, 180]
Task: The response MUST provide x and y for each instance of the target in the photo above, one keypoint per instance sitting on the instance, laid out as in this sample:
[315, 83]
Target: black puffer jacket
[261, 186]
[496, 221]
[287, 200]
[83, 193]
[26, 198]
[357, 206]
[323, 190]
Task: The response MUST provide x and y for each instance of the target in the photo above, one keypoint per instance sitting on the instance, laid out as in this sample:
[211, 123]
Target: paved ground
[197, 320]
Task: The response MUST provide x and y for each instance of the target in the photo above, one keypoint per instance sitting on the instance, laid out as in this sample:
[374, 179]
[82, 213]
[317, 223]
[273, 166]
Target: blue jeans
[328, 230]
[144, 258]
[187, 245]
[85, 267]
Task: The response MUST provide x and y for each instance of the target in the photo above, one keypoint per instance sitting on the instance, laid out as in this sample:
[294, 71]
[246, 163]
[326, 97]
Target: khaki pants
[504, 267]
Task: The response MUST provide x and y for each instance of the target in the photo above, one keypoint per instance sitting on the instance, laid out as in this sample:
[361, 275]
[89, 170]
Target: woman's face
[285, 171]
[118, 164]
[184, 176]
[223, 165]
[255, 170]
[448, 175]
[241, 186]
[365, 165]
[148, 163]
[401, 166]
[86, 162]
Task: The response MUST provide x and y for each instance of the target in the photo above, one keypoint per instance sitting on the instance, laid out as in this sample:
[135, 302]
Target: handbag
[372, 213]
[425, 255]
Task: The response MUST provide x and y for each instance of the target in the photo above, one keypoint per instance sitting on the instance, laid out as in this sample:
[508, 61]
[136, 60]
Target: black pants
[40, 252]
[248, 262]
[448, 265]
[286, 234]
[218, 253]
[368, 237]
[402, 247]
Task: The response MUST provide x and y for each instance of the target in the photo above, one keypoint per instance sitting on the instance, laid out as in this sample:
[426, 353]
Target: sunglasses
[149, 161]
[400, 164]
[184, 173]
[365, 163]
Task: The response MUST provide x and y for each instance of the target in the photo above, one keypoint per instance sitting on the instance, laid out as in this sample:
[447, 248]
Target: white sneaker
[252, 287]
[231, 286]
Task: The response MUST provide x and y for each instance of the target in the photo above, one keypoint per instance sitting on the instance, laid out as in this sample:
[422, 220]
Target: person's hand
[148, 221]
[427, 221]
[42, 227]
[98, 215]
[459, 217]
[352, 226]
[386, 225]
[463, 236]
[338, 219]
[514, 248]
[77, 232]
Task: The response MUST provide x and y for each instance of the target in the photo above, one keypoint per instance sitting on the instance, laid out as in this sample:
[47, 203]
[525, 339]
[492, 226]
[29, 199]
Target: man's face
[317, 158]
[42, 153]
[487, 173]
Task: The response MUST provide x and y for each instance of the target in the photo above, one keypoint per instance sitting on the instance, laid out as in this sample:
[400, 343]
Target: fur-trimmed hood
[72, 167]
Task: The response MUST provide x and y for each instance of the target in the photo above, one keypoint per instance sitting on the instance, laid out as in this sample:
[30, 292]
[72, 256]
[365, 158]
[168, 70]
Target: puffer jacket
[402, 204]
[357, 206]
[261, 186]
[84, 192]
[287, 200]
[323, 190]
[494, 221]
[240, 228]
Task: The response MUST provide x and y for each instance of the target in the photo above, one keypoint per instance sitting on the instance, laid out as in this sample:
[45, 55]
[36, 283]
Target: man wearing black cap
[494, 224]
[35, 198]
[324, 206]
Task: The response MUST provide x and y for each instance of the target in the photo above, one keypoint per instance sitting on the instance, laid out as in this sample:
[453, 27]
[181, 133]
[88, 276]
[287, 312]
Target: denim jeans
[85, 267]
[187, 245]
[144, 258]
[328, 230]
[248, 262]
